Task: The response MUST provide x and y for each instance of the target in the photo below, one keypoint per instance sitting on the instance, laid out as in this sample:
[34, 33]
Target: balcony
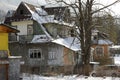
[20, 38]
[25, 38]
[12, 38]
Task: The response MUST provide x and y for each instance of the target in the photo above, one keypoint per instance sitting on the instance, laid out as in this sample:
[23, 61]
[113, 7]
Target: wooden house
[44, 43]
[101, 45]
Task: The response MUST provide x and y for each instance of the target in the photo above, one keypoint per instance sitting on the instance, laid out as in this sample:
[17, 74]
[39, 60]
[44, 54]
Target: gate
[3, 71]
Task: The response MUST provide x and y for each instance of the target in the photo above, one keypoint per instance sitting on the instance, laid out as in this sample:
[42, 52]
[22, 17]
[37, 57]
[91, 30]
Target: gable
[22, 10]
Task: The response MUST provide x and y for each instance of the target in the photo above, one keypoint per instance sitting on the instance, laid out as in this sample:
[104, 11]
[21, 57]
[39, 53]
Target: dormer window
[21, 11]
[72, 32]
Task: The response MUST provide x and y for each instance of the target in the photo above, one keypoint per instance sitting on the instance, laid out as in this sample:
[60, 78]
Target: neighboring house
[44, 43]
[100, 44]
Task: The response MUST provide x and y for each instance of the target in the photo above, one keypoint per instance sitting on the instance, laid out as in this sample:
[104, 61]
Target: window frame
[28, 28]
[35, 56]
[102, 52]
[52, 55]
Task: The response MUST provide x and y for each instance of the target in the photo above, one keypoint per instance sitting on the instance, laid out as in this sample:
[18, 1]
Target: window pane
[35, 53]
[99, 51]
[39, 55]
[29, 29]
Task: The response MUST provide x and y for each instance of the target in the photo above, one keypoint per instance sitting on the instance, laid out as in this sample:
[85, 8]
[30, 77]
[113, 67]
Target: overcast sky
[9, 4]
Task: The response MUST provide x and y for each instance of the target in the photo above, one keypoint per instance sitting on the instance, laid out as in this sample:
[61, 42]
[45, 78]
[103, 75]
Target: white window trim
[52, 55]
[31, 28]
[33, 50]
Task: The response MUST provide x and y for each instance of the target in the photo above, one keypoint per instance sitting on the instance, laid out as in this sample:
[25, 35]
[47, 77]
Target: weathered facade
[35, 42]
[101, 45]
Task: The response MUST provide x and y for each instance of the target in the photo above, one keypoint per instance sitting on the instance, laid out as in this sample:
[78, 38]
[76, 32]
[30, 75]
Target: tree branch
[106, 6]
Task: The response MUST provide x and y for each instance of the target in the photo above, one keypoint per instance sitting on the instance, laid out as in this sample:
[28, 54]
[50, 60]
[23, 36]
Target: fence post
[14, 68]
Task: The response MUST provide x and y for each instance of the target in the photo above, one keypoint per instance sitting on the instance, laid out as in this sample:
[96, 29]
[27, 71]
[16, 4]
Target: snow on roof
[40, 20]
[40, 38]
[63, 23]
[40, 11]
[70, 42]
[104, 41]
[41, 17]
[54, 4]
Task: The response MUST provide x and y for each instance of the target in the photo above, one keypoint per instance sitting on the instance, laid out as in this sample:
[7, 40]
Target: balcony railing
[27, 38]
[20, 38]
[12, 38]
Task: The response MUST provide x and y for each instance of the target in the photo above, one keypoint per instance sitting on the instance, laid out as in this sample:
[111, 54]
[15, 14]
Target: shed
[4, 31]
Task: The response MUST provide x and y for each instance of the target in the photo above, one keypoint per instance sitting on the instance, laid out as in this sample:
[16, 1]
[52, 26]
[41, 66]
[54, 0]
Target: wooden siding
[105, 48]
[23, 8]
[68, 57]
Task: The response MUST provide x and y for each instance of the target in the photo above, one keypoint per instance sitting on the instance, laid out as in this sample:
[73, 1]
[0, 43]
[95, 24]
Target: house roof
[70, 42]
[104, 41]
[7, 29]
[41, 16]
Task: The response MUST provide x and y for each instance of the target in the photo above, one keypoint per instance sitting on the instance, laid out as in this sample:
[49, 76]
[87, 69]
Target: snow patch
[70, 77]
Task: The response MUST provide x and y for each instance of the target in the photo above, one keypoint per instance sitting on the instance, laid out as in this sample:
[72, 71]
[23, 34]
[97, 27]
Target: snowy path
[35, 77]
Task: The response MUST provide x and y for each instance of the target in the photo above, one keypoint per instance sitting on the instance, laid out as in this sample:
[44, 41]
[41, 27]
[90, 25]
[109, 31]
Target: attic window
[72, 32]
[21, 11]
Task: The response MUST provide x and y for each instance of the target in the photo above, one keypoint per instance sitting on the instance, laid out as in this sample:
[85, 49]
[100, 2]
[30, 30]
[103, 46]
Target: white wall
[22, 26]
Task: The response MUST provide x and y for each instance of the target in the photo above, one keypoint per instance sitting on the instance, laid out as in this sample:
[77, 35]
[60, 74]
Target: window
[21, 11]
[99, 51]
[29, 29]
[52, 55]
[72, 32]
[95, 38]
[35, 53]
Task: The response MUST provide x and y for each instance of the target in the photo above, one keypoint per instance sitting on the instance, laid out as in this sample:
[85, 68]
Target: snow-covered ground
[73, 77]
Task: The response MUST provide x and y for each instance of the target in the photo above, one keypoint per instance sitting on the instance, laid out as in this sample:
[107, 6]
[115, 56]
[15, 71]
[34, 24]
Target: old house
[101, 45]
[44, 43]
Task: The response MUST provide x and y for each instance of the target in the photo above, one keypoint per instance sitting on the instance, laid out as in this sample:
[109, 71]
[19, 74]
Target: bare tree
[84, 11]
